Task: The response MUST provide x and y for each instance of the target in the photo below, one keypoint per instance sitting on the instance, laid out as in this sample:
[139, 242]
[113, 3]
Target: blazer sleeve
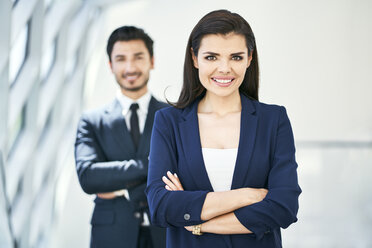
[169, 208]
[96, 174]
[280, 206]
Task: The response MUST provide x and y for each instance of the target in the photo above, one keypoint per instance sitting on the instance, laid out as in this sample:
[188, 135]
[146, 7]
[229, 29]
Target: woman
[234, 156]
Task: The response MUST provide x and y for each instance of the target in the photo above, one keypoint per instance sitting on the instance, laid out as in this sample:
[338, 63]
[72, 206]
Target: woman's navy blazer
[266, 159]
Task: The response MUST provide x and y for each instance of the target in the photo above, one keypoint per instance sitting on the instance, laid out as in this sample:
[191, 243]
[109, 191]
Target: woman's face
[222, 62]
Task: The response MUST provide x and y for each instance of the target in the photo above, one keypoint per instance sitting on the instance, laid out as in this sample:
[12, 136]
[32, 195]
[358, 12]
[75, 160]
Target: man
[112, 148]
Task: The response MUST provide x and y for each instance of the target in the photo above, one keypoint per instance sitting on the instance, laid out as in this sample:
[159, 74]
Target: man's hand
[107, 196]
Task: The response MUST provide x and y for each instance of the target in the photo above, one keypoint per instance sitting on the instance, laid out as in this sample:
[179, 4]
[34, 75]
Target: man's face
[131, 64]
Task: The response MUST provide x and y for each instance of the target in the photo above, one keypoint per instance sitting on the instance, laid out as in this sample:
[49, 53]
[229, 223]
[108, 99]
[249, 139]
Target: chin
[223, 93]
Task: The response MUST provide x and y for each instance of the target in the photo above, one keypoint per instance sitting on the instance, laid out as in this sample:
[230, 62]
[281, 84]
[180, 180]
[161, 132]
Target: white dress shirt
[143, 103]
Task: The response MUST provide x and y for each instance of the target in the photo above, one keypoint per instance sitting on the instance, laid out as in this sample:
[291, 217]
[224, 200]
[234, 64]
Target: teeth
[131, 77]
[223, 81]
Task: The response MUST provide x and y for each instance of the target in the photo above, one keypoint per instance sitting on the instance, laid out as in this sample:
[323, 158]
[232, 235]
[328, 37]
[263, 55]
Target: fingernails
[175, 175]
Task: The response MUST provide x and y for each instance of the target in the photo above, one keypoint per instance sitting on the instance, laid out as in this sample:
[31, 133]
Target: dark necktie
[134, 124]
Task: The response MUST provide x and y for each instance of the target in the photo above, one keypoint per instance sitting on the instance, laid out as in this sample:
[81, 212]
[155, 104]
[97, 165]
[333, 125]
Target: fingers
[168, 184]
[173, 183]
[257, 195]
[175, 180]
[188, 228]
[106, 196]
[264, 192]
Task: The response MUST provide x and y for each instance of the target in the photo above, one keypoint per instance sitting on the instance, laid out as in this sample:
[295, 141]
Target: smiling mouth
[224, 82]
[131, 76]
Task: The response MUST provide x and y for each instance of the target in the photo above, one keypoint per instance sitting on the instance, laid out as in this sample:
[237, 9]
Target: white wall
[315, 57]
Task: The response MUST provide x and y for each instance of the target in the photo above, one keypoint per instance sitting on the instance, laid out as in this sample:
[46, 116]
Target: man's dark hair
[127, 33]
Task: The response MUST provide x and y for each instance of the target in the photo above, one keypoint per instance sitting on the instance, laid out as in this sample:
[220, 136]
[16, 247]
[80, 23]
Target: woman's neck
[220, 105]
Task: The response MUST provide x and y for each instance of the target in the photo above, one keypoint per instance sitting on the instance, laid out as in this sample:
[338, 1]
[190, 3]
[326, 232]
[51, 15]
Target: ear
[194, 59]
[152, 62]
[110, 64]
[250, 59]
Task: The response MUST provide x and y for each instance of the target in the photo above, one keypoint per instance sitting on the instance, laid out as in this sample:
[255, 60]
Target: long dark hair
[218, 22]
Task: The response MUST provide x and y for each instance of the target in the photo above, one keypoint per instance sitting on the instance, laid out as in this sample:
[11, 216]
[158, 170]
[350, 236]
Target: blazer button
[186, 216]
[137, 215]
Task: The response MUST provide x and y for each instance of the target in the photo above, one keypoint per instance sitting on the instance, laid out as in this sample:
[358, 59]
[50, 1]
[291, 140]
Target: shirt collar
[125, 102]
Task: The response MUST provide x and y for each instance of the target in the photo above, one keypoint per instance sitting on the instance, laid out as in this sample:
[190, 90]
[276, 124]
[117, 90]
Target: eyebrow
[139, 53]
[239, 53]
[136, 54]
[217, 54]
[211, 53]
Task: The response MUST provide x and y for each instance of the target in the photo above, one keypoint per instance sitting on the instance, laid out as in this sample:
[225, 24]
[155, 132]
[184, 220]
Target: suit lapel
[119, 128]
[248, 126]
[189, 131]
[144, 143]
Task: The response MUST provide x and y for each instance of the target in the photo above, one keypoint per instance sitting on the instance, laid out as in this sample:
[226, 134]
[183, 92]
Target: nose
[224, 66]
[130, 66]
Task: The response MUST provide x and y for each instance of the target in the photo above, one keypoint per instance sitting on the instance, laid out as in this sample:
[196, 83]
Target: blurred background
[315, 58]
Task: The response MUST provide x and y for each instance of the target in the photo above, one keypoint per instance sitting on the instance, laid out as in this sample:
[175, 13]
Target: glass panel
[18, 54]
[71, 65]
[16, 129]
[5, 231]
[46, 128]
[48, 60]
[48, 3]
[14, 2]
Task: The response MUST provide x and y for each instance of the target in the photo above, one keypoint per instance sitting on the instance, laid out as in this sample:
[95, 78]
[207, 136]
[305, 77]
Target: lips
[223, 81]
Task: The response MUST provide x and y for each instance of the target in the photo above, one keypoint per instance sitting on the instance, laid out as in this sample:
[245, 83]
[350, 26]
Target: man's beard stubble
[135, 89]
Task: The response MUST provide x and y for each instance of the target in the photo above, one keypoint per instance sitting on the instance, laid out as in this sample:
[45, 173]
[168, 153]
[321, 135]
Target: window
[16, 129]
[46, 128]
[14, 2]
[71, 65]
[48, 4]
[47, 61]
[18, 54]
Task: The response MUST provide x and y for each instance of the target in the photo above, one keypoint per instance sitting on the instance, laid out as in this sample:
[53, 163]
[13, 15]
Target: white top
[143, 103]
[220, 165]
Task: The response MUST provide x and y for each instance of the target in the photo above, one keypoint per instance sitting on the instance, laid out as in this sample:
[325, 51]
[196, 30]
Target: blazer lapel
[119, 128]
[248, 126]
[189, 131]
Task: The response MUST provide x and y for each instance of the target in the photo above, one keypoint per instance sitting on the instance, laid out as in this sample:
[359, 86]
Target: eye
[139, 57]
[237, 58]
[210, 57]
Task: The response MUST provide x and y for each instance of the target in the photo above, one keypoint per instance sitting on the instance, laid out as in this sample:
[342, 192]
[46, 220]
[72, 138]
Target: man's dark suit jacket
[106, 161]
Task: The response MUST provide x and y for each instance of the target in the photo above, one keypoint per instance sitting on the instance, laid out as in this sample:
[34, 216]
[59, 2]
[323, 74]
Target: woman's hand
[255, 195]
[173, 183]
[189, 228]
